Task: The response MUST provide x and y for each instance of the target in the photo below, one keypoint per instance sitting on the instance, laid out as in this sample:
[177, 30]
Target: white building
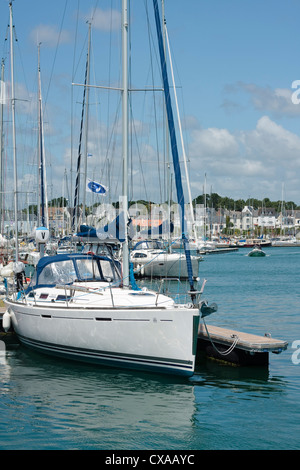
[247, 218]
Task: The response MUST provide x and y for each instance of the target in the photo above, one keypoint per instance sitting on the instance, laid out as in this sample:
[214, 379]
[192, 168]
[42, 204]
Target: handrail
[77, 288]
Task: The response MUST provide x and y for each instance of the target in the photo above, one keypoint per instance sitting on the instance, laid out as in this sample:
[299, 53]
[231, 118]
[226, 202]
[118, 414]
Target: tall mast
[1, 150]
[125, 137]
[75, 217]
[14, 132]
[42, 190]
[177, 170]
[86, 123]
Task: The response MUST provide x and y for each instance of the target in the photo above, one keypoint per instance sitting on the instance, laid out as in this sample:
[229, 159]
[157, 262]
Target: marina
[118, 329]
[65, 405]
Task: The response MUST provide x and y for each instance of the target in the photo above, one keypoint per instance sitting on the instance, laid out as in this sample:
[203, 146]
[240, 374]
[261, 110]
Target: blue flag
[95, 187]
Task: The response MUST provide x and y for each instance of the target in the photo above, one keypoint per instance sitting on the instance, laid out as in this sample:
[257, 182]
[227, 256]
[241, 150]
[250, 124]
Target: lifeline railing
[180, 295]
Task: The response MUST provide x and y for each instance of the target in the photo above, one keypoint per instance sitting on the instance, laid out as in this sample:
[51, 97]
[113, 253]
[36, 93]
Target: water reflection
[49, 404]
[65, 405]
[251, 380]
[5, 368]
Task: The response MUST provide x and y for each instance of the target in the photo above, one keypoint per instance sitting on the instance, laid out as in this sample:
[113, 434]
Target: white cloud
[106, 20]
[277, 102]
[272, 142]
[214, 142]
[254, 162]
[49, 35]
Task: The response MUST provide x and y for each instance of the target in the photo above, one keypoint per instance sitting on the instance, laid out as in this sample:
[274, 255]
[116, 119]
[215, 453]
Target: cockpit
[70, 268]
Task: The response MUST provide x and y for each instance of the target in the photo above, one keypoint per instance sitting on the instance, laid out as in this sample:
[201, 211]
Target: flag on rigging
[95, 187]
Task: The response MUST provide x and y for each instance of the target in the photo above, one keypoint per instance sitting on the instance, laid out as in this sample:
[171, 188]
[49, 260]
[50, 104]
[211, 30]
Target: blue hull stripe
[111, 358]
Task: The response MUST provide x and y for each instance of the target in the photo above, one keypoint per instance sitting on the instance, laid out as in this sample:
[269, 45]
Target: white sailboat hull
[156, 339]
[164, 264]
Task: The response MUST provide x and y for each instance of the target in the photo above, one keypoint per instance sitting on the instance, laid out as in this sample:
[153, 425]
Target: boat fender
[207, 309]
[6, 321]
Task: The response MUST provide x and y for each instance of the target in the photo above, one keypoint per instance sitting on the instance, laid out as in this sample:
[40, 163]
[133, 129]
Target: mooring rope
[229, 350]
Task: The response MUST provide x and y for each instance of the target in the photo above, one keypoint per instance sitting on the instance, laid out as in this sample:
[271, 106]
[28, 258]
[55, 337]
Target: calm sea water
[46, 403]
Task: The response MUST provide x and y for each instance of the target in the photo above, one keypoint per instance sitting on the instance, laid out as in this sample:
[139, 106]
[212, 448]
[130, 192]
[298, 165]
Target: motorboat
[253, 242]
[257, 252]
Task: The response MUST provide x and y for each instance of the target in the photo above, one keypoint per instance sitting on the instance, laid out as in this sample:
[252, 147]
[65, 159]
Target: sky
[236, 67]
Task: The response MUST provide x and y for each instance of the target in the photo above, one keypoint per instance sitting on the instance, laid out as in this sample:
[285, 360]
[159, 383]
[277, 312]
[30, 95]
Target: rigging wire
[26, 125]
[56, 51]
[154, 100]
[139, 154]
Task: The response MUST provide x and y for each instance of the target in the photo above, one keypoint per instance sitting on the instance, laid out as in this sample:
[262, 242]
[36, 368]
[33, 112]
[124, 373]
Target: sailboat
[82, 306]
[151, 258]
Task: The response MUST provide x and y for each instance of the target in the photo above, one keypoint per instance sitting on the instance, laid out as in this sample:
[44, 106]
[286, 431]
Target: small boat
[257, 252]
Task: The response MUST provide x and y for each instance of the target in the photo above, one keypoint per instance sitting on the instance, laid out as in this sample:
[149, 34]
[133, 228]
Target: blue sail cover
[86, 231]
[177, 170]
[115, 230]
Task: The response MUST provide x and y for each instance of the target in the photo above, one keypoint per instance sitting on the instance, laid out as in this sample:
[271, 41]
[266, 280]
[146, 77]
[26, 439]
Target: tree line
[217, 202]
[213, 200]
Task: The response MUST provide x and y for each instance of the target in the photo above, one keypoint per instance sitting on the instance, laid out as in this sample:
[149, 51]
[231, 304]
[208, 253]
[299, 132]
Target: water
[46, 403]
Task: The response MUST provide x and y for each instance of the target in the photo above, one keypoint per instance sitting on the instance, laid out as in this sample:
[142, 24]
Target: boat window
[88, 270]
[33, 280]
[140, 255]
[63, 298]
[60, 272]
[155, 245]
[43, 296]
[107, 269]
[143, 246]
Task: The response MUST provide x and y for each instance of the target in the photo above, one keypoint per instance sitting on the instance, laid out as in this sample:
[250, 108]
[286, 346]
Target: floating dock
[236, 347]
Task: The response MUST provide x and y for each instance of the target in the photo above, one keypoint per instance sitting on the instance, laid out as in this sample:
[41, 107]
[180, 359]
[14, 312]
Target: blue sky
[234, 62]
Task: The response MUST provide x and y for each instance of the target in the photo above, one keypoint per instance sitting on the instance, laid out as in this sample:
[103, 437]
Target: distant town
[212, 215]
